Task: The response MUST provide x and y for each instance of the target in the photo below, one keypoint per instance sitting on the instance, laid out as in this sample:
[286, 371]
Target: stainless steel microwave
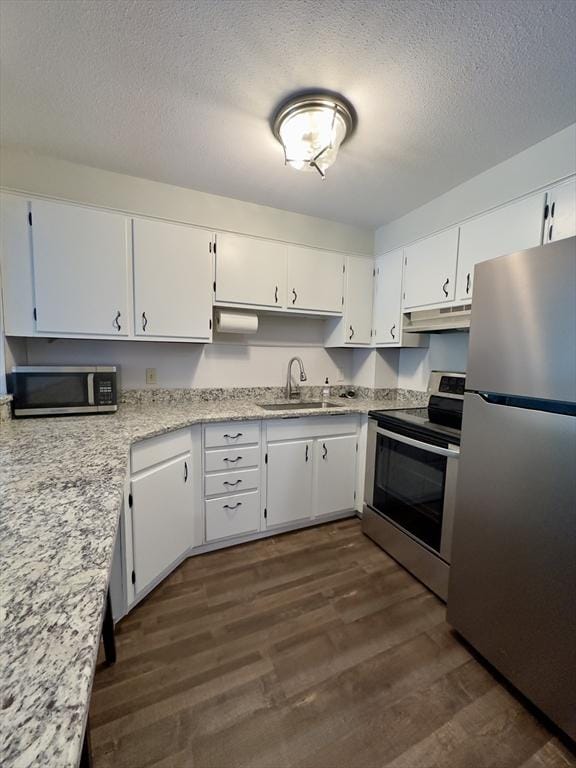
[48, 390]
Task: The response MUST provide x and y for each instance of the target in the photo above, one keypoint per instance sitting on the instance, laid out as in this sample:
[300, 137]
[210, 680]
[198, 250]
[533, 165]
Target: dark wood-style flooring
[309, 650]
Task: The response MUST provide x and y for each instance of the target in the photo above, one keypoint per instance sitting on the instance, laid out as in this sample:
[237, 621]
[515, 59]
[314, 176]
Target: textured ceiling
[182, 92]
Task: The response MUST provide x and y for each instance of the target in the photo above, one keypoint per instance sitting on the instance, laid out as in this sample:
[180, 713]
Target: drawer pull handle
[226, 482]
[233, 461]
[234, 437]
[233, 506]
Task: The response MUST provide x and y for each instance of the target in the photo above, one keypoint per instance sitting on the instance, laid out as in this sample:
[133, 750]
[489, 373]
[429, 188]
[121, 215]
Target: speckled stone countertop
[61, 482]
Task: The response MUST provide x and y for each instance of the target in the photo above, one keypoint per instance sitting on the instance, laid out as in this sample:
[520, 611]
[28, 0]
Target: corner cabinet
[355, 328]
[315, 280]
[560, 212]
[250, 272]
[430, 270]
[513, 227]
[81, 269]
[310, 468]
[173, 276]
[387, 299]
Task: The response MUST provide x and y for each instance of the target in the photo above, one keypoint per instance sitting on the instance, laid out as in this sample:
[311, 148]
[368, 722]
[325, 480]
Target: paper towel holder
[236, 322]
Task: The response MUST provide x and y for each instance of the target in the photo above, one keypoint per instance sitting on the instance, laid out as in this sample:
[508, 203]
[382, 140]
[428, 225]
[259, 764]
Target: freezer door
[512, 591]
[523, 325]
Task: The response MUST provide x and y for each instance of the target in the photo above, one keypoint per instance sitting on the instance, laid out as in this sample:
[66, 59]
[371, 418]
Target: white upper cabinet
[355, 328]
[511, 228]
[358, 300]
[315, 280]
[561, 219]
[430, 270]
[250, 271]
[173, 277]
[16, 258]
[81, 269]
[387, 299]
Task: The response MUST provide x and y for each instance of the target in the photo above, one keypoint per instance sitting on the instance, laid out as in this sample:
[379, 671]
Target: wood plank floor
[309, 650]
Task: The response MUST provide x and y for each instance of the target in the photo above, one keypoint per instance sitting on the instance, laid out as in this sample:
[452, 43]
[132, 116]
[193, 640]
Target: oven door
[48, 390]
[412, 483]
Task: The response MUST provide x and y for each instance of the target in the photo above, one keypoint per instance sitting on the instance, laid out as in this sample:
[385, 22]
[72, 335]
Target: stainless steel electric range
[411, 473]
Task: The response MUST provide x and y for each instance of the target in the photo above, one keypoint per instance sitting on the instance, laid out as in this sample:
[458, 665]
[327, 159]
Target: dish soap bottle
[326, 391]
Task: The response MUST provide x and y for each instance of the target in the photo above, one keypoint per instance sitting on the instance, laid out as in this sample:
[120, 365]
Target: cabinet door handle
[144, 321]
[546, 211]
[185, 471]
[234, 437]
[392, 331]
[233, 461]
[324, 451]
[276, 294]
[467, 283]
[552, 209]
[550, 232]
[233, 506]
[295, 296]
[227, 482]
[444, 287]
[351, 333]
[307, 452]
[117, 321]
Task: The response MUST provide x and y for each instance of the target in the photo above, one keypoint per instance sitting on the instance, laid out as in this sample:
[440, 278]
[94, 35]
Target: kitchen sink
[300, 406]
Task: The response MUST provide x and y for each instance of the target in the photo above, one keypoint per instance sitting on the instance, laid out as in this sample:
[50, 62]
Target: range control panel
[452, 385]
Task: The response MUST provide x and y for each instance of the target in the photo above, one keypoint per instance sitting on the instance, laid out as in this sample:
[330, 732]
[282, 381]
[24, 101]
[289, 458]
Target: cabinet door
[16, 260]
[561, 221]
[359, 291]
[315, 280]
[336, 474]
[387, 298]
[80, 269]
[172, 280]
[250, 271]
[289, 482]
[430, 272]
[505, 230]
[162, 519]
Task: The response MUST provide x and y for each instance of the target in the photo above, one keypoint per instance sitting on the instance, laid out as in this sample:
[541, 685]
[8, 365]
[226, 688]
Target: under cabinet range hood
[438, 320]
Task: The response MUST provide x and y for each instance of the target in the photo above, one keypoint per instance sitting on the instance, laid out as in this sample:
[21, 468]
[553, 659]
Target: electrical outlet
[151, 377]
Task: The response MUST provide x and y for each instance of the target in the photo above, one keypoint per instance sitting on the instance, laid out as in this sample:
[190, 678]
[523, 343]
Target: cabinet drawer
[231, 433]
[232, 458]
[155, 450]
[232, 516]
[231, 482]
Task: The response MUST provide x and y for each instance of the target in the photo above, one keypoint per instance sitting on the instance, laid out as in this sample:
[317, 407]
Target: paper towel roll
[236, 322]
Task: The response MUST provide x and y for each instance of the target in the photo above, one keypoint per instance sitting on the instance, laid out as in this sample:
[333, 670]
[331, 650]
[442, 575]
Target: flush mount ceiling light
[311, 128]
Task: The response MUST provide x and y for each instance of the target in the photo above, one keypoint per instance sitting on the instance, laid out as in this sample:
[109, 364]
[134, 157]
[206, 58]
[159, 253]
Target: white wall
[447, 352]
[30, 173]
[242, 362]
[542, 164]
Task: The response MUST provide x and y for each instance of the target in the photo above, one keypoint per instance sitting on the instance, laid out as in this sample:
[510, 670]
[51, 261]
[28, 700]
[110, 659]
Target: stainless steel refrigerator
[512, 591]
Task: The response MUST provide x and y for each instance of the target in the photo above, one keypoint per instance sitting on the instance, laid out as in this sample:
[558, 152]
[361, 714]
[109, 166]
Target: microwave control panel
[105, 389]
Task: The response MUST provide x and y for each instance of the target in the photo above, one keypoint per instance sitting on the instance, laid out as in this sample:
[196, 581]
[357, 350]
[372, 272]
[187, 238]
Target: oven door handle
[449, 452]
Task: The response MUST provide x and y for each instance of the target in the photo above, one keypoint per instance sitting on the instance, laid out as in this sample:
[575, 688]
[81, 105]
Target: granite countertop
[62, 481]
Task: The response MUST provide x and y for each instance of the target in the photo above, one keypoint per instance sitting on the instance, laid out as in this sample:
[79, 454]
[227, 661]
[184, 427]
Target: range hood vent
[438, 320]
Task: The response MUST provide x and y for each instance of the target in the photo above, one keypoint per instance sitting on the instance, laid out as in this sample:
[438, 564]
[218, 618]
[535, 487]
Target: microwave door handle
[449, 452]
[90, 383]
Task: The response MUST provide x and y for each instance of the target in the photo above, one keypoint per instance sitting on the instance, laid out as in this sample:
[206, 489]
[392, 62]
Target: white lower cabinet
[311, 468]
[235, 515]
[289, 482]
[335, 474]
[162, 526]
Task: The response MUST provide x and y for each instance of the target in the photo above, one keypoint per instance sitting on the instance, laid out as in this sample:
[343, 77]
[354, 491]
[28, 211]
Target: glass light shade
[312, 136]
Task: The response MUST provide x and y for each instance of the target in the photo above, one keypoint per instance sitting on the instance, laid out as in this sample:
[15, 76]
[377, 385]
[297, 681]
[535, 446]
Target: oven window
[409, 488]
[44, 390]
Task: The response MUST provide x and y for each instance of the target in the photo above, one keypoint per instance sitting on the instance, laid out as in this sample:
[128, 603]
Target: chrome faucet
[293, 392]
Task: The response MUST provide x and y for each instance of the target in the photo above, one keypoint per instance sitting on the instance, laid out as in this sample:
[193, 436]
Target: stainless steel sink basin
[298, 406]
